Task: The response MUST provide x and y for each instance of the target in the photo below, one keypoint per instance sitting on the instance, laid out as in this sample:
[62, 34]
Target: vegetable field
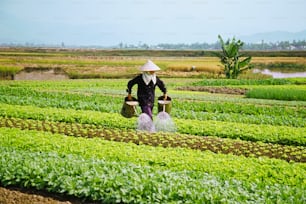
[68, 137]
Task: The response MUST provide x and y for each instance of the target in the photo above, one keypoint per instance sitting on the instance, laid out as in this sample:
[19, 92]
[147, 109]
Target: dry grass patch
[268, 60]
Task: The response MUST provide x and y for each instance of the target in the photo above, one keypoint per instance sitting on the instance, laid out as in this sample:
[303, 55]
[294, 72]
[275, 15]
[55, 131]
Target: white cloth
[149, 77]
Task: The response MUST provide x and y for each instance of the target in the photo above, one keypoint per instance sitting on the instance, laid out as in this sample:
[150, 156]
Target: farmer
[147, 81]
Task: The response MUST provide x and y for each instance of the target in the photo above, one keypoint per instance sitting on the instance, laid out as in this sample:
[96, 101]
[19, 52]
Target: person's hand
[165, 96]
[129, 97]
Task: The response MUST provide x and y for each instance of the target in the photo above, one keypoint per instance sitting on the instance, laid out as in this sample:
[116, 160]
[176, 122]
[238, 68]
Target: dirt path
[21, 196]
[224, 90]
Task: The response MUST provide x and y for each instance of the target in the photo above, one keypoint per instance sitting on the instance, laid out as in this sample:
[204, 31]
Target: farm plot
[68, 137]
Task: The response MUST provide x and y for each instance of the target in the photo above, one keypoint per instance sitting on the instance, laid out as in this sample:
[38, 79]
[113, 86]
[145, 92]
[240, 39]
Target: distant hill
[273, 37]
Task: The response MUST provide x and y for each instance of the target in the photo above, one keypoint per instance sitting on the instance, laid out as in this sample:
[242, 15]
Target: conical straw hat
[149, 66]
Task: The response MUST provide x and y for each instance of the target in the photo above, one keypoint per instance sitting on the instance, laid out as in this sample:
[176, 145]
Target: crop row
[199, 110]
[97, 86]
[252, 170]
[282, 93]
[248, 109]
[117, 87]
[245, 113]
[117, 182]
[217, 145]
[239, 82]
[197, 96]
[266, 133]
[285, 120]
[77, 61]
[39, 97]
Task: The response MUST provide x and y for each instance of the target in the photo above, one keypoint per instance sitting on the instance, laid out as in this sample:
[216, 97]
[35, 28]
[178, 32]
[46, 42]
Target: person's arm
[129, 97]
[130, 85]
[165, 96]
[162, 87]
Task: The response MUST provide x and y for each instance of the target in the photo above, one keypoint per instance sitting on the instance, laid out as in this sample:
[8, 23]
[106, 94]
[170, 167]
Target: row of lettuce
[280, 122]
[112, 172]
[266, 133]
[109, 171]
[231, 111]
[163, 139]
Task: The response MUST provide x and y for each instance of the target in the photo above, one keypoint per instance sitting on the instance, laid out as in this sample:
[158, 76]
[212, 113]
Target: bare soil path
[13, 195]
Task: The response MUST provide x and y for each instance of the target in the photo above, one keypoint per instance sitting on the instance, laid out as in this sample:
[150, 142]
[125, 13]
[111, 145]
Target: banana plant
[231, 59]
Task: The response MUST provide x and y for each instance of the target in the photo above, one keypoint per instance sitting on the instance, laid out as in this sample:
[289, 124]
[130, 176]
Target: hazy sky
[109, 22]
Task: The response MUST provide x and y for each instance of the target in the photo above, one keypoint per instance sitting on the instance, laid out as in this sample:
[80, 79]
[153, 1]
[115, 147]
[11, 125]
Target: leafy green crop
[266, 133]
[112, 182]
[262, 170]
[199, 110]
[107, 160]
[279, 93]
[214, 144]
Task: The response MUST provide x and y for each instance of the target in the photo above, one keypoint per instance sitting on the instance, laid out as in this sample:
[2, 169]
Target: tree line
[283, 45]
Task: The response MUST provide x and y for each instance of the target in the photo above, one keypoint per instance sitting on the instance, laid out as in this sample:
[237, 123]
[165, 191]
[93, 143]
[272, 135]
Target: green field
[67, 137]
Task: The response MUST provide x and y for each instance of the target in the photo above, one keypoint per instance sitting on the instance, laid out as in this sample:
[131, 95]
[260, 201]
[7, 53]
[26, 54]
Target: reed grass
[8, 72]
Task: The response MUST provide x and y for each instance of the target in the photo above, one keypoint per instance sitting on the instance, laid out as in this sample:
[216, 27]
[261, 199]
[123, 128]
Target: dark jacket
[146, 93]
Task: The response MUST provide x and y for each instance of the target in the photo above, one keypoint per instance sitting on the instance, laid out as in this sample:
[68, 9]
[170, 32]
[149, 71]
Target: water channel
[275, 74]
